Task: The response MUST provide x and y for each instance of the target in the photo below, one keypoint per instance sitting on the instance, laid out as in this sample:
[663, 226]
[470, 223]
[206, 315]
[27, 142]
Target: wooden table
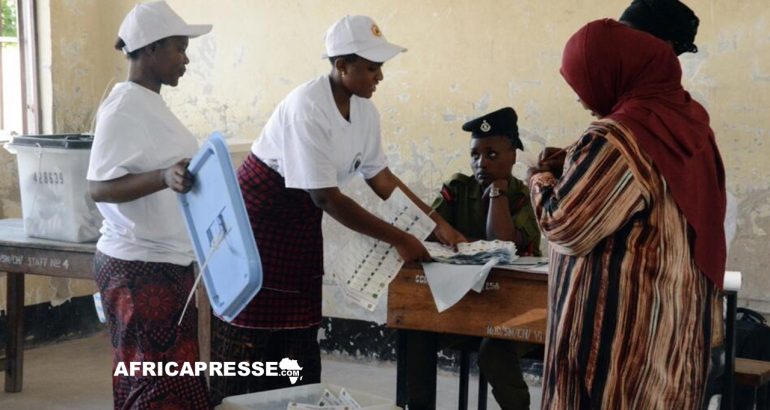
[21, 255]
[512, 306]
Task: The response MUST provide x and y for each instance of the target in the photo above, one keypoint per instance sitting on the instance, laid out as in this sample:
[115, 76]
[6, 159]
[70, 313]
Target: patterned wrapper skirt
[287, 228]
[143, 302]
[282, 320]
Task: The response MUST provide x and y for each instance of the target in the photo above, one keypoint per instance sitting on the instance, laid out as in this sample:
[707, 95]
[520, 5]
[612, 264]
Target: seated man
[491, 204]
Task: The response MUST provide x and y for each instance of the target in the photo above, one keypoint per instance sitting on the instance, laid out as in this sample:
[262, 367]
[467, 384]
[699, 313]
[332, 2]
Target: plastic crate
[310, 393]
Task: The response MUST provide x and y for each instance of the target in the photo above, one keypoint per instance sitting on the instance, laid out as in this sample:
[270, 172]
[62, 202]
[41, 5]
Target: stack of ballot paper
[342, 401]
[473, 253]
[532, 264]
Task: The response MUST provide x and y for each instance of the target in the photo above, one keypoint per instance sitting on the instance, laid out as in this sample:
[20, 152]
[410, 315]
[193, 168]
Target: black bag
[752, 341]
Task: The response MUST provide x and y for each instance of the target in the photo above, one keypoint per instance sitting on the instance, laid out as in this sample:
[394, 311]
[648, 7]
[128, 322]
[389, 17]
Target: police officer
[490, 204]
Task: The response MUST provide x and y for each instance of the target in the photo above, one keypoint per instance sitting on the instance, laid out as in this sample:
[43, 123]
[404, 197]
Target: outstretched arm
[383, 185]
[340, 207]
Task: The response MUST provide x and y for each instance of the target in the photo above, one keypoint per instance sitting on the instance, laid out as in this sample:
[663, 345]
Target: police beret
[500, 123]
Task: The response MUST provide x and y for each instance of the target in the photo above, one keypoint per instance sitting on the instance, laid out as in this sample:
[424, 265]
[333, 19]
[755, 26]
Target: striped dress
[630, 315]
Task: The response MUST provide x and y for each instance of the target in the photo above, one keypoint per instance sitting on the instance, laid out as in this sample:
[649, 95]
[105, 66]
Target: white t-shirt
[313, 146]
[136, 132]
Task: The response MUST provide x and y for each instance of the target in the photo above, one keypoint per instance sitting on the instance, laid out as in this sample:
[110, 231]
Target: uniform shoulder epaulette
[459, 178]
[451, 186]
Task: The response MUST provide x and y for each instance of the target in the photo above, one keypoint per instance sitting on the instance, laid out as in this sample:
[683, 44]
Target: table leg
[14, 345]
[728, 394]
[482, 392]
[400, 368]
[465, 367]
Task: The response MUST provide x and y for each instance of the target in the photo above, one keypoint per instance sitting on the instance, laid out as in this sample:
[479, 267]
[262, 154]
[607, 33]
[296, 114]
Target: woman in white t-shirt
[321, 135]
[143, 264]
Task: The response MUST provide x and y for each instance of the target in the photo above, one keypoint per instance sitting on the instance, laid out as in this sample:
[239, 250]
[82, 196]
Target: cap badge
[376, 31]
[485, 127]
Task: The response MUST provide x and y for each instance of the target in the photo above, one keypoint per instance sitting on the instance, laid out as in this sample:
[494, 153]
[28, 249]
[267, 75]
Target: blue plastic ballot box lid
[219, 228]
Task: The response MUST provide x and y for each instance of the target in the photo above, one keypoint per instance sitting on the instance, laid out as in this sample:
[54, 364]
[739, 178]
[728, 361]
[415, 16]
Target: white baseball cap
[149, 22]
[359, 35]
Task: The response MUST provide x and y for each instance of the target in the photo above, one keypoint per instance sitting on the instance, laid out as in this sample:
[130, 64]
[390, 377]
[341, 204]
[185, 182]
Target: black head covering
[500, 123]
[668, 20]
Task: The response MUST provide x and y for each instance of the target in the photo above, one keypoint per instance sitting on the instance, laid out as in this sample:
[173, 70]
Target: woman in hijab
[633, 211]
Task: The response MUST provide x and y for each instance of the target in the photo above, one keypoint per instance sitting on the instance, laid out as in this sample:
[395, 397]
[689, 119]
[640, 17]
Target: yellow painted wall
[84, 62]
[465, 58]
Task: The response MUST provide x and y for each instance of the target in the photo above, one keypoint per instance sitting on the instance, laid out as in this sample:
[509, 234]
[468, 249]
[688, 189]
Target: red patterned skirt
[287, 228]
[143, 302]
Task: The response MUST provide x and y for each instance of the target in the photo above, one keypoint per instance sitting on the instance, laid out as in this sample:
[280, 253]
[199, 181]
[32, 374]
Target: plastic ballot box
[55, 202]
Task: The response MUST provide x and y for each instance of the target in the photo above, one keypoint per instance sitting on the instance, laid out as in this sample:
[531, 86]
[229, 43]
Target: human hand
[550, 160]
[178, 177]
[410, 249]
[448, 235]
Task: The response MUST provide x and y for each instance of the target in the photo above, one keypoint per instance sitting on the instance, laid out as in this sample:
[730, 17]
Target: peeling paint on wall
[749, 251]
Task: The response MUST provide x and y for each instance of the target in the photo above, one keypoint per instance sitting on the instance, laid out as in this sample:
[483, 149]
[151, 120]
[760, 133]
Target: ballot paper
[531, 264]
[305, 406]
[328, 401]
[473, 253]
[348, 400]
[366, 266]
[450, 282]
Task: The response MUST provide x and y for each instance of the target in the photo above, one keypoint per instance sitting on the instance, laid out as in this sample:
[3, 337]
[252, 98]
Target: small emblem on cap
[485, 127]
[376, 31]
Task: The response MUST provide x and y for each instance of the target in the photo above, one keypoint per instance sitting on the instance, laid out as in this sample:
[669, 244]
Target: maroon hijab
[635, 79]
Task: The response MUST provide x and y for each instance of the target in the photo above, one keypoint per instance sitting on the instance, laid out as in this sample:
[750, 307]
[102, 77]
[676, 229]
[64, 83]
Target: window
[18, 68]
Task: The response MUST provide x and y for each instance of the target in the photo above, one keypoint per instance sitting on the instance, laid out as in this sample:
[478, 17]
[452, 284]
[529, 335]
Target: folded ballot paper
[458, 271]
[328, 400]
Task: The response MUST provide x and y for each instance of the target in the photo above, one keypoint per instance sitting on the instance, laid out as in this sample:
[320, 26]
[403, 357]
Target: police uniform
[463, 206]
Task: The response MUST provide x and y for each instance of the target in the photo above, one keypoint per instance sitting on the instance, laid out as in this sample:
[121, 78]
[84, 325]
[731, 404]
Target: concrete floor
[76, 375]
